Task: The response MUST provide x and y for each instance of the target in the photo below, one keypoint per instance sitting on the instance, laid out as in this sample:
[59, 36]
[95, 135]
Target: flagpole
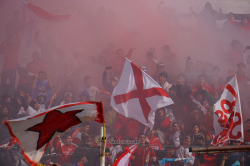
[102, 144]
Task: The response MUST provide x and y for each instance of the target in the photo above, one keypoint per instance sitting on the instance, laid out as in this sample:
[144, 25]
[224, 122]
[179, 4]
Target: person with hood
[109, 86]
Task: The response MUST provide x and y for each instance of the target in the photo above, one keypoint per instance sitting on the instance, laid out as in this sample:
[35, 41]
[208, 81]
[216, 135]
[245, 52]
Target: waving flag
[46, 15]
[33, 133]
[228, 122]
[137, 95]
[124, 159]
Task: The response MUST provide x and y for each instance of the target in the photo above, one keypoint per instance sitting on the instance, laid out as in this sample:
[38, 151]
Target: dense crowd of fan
[50, 80]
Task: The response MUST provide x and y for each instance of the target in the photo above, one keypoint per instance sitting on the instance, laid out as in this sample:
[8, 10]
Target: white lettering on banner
[228, 113]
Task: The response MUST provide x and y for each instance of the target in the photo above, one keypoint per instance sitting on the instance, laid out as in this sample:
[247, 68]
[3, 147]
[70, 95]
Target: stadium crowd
[50, 80]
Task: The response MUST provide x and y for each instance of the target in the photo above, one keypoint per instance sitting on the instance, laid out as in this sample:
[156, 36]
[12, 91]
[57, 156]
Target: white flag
[137, 95]
[228, 122]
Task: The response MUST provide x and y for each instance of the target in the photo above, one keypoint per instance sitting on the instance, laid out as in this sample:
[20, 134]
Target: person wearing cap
[182, 150]
[163, 81]
[36, 65]
[42, 85]
[150, 64]
[93, 91]
[109, 86]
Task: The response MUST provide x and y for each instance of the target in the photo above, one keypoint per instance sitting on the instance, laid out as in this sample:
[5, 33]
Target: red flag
[46, 15]
[124, 159]
[33, 133]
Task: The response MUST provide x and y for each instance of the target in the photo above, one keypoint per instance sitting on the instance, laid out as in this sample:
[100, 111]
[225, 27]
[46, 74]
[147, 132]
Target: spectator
[190, 73]
[244, 27]
[119, 60]
[182, 151]
[36, 65]
[194, 117]
[150, 64]
[182, 89]
[93, 91]
[160, 68]
[109, 86]
[68, 87]
[201, 83]
[65, 148]
[162, 122]
[9, 48]
[84, 96]
[163, 81]
[81, 160]
[170, 61]
[42, 85]
[108, 158]
[170, 153]
[144, 153]
[67, 98]
[197, 138]
[16, 104]
[154, 141]
[126, 127]
[13, 24]
[240, 74]
[24, 77]
[234, 55]
[82, 134]
[247, 133]
[230, 25]
[175, 128]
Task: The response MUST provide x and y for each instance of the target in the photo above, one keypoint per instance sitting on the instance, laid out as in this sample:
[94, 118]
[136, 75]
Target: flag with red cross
[138, 96]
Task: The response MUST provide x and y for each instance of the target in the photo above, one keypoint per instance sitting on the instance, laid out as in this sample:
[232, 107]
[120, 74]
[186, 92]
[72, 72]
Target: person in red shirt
[154, 141]
[201, 83]
[162, 122]
[36, 65]
[65, 148]
[230, 24]
[120, 59]
[171, 154]
[9, 48]
[144, 152]
[244, 27]
[126, 127]
[247, 133]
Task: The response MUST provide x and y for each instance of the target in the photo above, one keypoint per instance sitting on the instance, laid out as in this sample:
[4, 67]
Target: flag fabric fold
[46, 15]
[125, 158]
[165, 160]
[228, 122]
[33, 133]
[137, 95]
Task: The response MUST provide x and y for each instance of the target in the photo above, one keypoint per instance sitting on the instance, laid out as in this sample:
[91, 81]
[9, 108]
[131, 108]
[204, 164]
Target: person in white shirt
[182, 151]
[93, 91]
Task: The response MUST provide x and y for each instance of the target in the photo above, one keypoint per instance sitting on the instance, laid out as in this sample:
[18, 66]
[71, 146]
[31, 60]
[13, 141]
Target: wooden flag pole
[102, 144]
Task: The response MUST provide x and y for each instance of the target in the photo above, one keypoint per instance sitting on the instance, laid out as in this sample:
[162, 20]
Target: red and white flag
[228, 122]
[33, 133]
[137, 95]
[124, 159]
